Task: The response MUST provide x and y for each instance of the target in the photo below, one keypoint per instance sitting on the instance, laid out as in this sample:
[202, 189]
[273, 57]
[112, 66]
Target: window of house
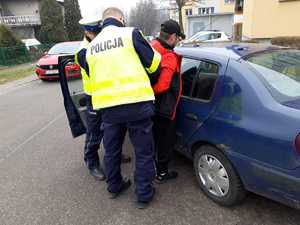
[188, 12]
[206, 11]
[228, 1]
[239, 6]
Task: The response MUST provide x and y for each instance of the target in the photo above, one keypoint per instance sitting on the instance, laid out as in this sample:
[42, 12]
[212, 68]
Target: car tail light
[72, 67]
[297, 144]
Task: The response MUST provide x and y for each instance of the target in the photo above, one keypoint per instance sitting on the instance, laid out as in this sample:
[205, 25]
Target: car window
[189, 68]
[64, 48]
[204, 84]
[215, 36]
[280, 73]
[195, 37]
[204, 37]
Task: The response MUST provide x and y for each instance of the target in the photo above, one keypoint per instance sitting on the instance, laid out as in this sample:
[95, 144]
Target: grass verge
[8, 74]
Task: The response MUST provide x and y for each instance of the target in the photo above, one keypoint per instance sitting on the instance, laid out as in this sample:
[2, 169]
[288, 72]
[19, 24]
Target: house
[263, 20]
[22, 16]
[208, 15]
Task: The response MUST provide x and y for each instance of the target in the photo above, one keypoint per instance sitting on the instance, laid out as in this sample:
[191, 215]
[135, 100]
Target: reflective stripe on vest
[85, 78]
[116, 72]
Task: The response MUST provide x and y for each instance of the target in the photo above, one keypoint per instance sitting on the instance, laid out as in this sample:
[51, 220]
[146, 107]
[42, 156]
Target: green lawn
[8, 74]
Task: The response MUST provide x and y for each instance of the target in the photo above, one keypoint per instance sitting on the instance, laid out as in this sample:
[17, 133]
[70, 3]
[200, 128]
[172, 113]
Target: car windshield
[64, 48]
[280, 72]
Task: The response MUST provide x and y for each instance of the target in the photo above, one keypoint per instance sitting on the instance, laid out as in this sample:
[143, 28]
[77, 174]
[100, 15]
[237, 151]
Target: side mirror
[45, 53]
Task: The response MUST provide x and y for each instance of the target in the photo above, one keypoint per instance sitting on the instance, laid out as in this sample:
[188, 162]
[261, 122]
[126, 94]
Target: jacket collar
[112, 22]
[164, 44]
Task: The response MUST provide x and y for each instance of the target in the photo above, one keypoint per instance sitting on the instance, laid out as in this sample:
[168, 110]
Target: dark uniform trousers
[94, 135]
[164, 136]
[141, 136]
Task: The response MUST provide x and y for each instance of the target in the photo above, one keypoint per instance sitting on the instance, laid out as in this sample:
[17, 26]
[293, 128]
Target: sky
[93, 7]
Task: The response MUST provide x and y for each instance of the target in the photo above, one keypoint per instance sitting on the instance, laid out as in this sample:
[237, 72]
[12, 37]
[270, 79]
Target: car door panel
[73, 98]
[196, 108]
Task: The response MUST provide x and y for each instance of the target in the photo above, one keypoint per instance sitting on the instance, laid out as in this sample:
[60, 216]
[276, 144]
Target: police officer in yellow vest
[92, 27]
[94, 135]
[120, 62]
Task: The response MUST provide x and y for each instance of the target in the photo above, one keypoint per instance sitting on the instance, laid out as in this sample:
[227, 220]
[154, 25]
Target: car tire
[217, 177]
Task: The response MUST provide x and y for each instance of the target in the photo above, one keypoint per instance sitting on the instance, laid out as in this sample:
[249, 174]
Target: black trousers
[140, 133]
[94, 135]
[164, 130]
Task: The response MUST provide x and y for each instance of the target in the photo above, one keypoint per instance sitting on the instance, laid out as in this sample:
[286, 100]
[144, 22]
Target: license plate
[51, 72]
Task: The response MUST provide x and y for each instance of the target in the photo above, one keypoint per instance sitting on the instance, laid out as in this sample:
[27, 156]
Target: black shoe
[97, 174]
[126, 158]
[126, 183]
[162, 178]
[144, 204]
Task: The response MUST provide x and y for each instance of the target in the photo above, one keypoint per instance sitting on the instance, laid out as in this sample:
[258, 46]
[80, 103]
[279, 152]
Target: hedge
[287, 41]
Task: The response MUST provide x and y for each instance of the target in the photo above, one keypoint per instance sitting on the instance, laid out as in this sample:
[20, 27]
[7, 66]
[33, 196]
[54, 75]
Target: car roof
[225, 49]
[209, 32]
[69, 43]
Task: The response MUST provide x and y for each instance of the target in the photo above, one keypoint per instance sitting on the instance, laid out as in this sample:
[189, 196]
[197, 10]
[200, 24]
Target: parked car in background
[47, 66]
[238, 119]
[30, 43]
[208, 36]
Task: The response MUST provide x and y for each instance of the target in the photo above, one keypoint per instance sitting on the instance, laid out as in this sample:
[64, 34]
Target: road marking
[19, 147]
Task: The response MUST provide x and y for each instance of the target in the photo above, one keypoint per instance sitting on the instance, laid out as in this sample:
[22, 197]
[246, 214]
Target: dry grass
[8, 74]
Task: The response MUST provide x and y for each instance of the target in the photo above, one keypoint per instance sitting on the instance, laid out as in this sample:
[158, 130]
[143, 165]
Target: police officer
[119, 61]
[92, 27]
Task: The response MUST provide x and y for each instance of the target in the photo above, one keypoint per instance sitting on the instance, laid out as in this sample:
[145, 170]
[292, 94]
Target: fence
[20, 20]
[21, 54]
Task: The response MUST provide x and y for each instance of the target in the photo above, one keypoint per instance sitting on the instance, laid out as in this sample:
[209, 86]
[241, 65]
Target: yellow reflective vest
[85, 78]
[116, 72]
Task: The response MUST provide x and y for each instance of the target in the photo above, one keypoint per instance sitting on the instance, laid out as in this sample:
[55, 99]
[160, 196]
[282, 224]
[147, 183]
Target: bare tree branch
[145, 16]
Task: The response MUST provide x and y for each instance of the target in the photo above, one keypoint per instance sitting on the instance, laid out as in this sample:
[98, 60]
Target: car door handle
[191, 116]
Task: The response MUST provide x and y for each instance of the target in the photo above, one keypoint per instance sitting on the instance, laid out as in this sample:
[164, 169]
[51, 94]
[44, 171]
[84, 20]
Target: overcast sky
[92, 7]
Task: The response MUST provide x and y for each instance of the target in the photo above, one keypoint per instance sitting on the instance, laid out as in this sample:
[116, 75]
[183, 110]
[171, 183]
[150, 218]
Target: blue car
[238, 119]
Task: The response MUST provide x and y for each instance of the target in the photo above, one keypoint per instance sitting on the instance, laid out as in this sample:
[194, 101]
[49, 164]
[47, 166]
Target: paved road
[43, 179]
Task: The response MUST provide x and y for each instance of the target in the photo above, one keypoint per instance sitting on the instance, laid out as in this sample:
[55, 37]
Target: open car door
[74, 97]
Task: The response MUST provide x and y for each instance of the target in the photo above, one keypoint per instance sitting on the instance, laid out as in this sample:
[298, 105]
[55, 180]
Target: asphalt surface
[43, 179]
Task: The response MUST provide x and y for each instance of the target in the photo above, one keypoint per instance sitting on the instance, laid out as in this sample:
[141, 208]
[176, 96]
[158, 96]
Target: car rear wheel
[217, 177]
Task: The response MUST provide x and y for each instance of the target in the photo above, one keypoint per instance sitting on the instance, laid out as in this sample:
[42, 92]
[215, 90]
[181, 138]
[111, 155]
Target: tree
[7, 38]
[52, 29]
[180, 4]
[72, 16]
[144, 16]
[13, 50]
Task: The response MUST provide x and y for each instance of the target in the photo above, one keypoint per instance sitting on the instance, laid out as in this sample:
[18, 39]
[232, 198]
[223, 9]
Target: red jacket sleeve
[167, 70]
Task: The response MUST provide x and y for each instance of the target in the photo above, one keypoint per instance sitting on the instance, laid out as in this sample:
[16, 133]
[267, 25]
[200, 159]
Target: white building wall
[210, 3]
[21, 7]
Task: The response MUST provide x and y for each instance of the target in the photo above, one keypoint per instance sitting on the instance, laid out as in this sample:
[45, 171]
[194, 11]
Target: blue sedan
[238, 119]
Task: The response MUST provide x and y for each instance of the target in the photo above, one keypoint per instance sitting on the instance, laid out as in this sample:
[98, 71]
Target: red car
[47, 66]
